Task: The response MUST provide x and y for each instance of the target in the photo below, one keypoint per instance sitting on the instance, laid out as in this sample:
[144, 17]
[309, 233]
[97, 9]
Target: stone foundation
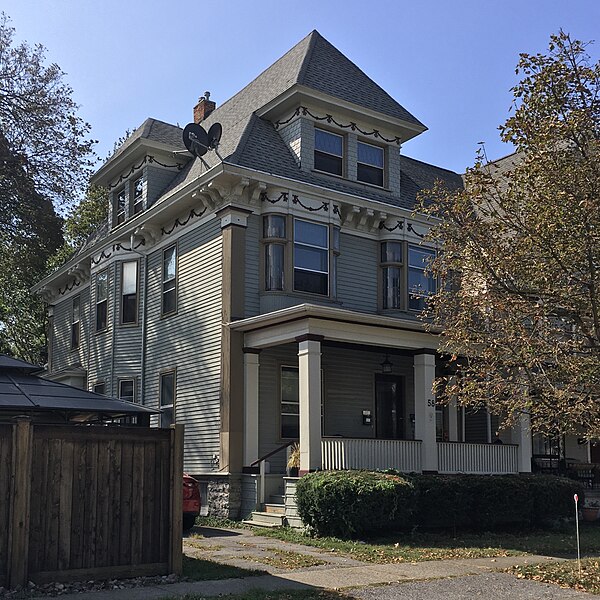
[224, 495]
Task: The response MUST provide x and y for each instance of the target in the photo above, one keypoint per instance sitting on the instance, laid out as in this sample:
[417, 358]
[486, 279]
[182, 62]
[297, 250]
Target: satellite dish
[195, 139]
[214, 135]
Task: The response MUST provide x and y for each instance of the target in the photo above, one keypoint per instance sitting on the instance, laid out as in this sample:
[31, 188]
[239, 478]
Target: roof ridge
[314, 34]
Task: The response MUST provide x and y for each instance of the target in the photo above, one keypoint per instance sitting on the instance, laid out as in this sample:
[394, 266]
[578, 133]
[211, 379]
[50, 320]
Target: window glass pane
[420, 284]
[101, 286]
[129, 308]
[121, 200]
[100, 388]
[309, 281]
[169, 263]
[290, 427]
[274, 266]
[169, 302]
[126, 389]
[328, 163]
[419, 257]
[101, 313]
[167, 389]
[129, 278]
[368, 174]
[370, 155]
[328, 142]
[391, 252]
[138, 188]
[76, 309]
[392, 287]
[310, 233]
[290, 404]
[289, 384]
[312, 259]
[274, 226]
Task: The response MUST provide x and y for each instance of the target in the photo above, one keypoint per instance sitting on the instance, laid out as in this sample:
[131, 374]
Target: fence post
[175, 550]
[19, 518]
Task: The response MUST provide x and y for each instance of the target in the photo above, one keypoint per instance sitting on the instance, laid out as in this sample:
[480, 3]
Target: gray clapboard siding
[348, 386]
[253, 248]
[357, 273]
[190, 340]
[101, 342]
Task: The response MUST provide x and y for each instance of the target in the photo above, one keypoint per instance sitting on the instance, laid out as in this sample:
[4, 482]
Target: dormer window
[138, 195]
[369, 168]
[120, 203]
[329, 152]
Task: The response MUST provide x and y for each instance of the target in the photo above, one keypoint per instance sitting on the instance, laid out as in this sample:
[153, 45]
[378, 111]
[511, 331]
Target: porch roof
[337, 324]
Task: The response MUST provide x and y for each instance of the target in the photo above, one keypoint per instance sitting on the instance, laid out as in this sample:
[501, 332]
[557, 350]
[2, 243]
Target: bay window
[421, 284]
[169, 279]
[75, 322]
[101, 300]
[129, 293]
[391, 270]
[311, 257]
[274, 234]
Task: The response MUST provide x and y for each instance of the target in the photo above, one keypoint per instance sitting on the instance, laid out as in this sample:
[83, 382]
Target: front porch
[356, 391]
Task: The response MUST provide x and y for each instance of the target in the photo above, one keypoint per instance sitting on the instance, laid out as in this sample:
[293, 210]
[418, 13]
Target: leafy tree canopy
[520, 310]
[45, 159]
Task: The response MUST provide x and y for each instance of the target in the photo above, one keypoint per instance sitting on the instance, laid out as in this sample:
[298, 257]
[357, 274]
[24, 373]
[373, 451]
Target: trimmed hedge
[348, 504]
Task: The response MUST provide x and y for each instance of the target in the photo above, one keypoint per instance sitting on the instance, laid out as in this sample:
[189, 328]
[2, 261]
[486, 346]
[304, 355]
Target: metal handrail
[259, 460]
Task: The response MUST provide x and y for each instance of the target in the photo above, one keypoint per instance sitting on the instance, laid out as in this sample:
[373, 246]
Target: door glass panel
[389, 401]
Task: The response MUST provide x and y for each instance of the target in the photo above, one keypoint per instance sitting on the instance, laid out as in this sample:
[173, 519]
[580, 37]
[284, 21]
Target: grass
[197, 569]
[565, 574]
[420, 546]
[277, 595]
[284, 559]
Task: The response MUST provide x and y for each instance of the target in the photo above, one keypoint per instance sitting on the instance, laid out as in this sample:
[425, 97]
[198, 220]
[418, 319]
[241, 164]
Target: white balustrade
[347, 453]
[483, 459]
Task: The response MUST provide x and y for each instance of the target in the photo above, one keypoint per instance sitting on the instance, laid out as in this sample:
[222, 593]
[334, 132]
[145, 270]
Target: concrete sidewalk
[240, 548]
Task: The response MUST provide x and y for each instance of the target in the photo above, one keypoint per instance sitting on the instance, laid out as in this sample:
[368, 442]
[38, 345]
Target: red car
[191, 501]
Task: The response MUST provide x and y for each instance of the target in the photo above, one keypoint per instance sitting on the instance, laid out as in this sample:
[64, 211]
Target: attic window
[369, 168]
[138, 195]
[329, 152]
[121, 201]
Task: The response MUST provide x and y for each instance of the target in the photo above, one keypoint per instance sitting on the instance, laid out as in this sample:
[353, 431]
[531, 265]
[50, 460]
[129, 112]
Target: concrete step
[266, 519]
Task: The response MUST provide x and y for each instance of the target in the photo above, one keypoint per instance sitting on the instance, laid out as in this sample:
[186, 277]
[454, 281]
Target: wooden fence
[79, 502]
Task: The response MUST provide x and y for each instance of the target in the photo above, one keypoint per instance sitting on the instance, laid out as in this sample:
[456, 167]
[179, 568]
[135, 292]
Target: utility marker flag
[576, 498]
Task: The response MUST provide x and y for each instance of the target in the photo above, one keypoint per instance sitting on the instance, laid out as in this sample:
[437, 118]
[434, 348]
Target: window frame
[371, 166]
[384, 266]
[423, 296]
[327, 250]
[120, 210]
[136, 201]
[137, 294]
[175, 279]
[97, 303]
[123, 380]
[341, 157]
[75, 323]
[161, 375]
[100, 383]
[268, 241]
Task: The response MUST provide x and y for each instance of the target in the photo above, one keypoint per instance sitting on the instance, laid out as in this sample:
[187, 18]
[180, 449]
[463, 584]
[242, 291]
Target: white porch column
[424, 366]
[251, 373]
[309, 368]
[521, 434]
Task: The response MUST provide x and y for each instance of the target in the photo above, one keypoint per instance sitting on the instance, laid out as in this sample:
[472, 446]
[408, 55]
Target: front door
[389, 404]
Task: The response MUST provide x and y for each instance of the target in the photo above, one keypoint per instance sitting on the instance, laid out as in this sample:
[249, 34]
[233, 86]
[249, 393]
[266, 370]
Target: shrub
[553, 497]
[348, 504]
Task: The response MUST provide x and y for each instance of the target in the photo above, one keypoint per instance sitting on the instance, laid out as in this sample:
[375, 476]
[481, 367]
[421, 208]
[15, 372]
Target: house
[269, 291]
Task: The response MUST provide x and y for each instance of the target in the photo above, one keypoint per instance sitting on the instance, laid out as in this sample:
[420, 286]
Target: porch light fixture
[386, 366]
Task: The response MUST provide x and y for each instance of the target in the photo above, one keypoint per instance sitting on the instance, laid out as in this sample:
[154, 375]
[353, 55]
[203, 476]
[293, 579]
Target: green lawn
[566, 574]
[197, 569]
[405, 547]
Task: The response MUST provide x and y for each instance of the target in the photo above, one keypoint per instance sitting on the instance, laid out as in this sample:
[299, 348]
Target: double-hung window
[311, 257]
[421, 284]
[391, 271]
[167, 398]
[329, 152]
[129, 294]
[101, 300]
[290, 403]
[169, 280]
[100, 388]
[138, 195]
[274, 234]
[75, 322]
[120, 203]
[369, 167]
[127, 389]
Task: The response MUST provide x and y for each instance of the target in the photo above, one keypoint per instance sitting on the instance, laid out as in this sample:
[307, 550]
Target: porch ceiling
[334, 324]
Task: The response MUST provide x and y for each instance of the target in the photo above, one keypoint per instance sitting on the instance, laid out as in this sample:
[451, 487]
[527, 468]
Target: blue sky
[450, 63]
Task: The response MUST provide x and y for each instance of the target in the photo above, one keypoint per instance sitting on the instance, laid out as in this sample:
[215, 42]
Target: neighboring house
[270, 290]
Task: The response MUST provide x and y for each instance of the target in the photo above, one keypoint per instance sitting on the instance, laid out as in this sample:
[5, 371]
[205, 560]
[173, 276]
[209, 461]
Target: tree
[45, 160]
[520, 306]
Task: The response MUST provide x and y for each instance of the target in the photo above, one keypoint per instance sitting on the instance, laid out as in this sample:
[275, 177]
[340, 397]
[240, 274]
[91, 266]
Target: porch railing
[498, 459]
[348, 453]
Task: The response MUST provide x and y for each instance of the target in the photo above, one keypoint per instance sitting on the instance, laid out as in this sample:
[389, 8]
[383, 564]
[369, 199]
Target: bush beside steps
[349, 504]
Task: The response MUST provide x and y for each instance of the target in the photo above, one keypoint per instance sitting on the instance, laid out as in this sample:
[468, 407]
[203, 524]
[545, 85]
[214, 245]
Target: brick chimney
[204, 107]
